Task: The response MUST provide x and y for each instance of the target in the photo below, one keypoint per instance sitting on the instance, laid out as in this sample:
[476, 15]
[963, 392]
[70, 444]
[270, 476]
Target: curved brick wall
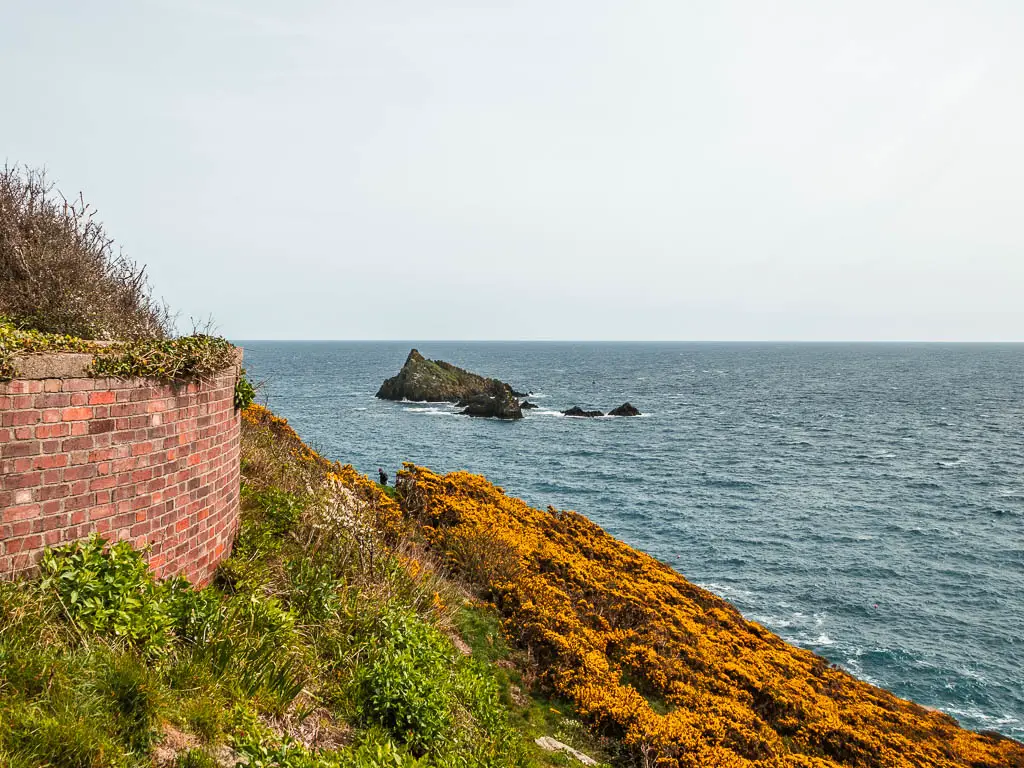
[132, 459]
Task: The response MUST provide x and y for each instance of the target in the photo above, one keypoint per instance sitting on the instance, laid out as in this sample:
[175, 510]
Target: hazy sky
[538, 170]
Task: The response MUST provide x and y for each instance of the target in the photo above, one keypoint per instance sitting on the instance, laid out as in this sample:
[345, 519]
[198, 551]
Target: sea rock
[496, 401]
[553, 745]
[526, 405]
[437, 381]
[577, 411]
[626, 409]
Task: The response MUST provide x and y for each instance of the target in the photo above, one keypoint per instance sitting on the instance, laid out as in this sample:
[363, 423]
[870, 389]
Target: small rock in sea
[494, 402]
[577, 411]
[626, 409]
[527, 405]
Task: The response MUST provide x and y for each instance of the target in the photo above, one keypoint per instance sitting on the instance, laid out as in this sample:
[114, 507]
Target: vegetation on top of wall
[175, 359]
[165, 359]
[64, 285]
[60, 272]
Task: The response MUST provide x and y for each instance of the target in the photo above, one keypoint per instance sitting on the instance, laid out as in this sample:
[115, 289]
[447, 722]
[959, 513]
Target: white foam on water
[432, 411]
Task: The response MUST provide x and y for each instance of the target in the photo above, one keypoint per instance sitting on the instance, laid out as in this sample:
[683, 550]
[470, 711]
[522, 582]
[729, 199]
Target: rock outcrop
[437, 381]
[553, 745]
[577, 411]
[526, 405]
[626, 409]
[496, 402]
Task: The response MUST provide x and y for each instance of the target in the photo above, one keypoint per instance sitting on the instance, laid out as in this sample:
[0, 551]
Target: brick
[102, 398]
[102, 483]
[98, 513]
[23, 480]
[76, 414]
[51, 400]
[80, 472]
[23, 512]
[52, 517]
[50, 462]
[56, 491]
[101, 425]
[21, 418]
[45, 431]
[78, 444]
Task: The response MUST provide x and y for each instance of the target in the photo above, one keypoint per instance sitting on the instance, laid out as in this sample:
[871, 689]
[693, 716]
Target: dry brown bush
[61, 273]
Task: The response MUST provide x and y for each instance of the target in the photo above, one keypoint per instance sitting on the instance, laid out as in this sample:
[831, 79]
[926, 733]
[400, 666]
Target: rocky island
[436, 381]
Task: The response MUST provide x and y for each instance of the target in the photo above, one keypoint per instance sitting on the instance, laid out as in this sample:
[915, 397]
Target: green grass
[96, 656]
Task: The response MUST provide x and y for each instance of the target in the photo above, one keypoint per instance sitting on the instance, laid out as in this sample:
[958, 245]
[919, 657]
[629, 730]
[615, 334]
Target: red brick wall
[131, 459]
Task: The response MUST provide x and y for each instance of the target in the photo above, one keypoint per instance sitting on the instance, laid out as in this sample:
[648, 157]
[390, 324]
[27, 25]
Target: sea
[865, 501]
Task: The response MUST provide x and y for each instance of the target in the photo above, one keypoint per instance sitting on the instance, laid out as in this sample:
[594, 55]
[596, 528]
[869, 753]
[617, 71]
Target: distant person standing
[383, 476]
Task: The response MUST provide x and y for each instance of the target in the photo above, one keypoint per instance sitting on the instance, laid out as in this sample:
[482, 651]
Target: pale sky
[543, 170]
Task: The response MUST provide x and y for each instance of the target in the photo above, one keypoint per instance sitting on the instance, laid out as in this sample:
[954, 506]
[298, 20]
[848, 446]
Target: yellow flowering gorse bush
[671, 669]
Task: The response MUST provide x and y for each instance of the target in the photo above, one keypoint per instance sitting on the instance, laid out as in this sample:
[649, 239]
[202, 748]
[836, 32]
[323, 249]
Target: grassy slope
[331, 638]
[328, 640]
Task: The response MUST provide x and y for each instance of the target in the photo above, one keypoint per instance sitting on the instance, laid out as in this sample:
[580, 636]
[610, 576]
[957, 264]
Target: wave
[432, 411]
[729, 483]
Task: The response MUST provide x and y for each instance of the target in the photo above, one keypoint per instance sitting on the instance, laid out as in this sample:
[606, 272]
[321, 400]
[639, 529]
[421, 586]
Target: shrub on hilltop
[60, 272]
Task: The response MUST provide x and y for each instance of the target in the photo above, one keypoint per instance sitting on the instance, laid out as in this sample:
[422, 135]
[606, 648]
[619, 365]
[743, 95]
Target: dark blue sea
[865, 501]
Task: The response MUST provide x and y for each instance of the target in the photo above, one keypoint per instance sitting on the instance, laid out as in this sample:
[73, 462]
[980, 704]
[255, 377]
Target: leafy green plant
[245, 391]
[108, 592]
[195, 614]
[403, 687]
[377, 750]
